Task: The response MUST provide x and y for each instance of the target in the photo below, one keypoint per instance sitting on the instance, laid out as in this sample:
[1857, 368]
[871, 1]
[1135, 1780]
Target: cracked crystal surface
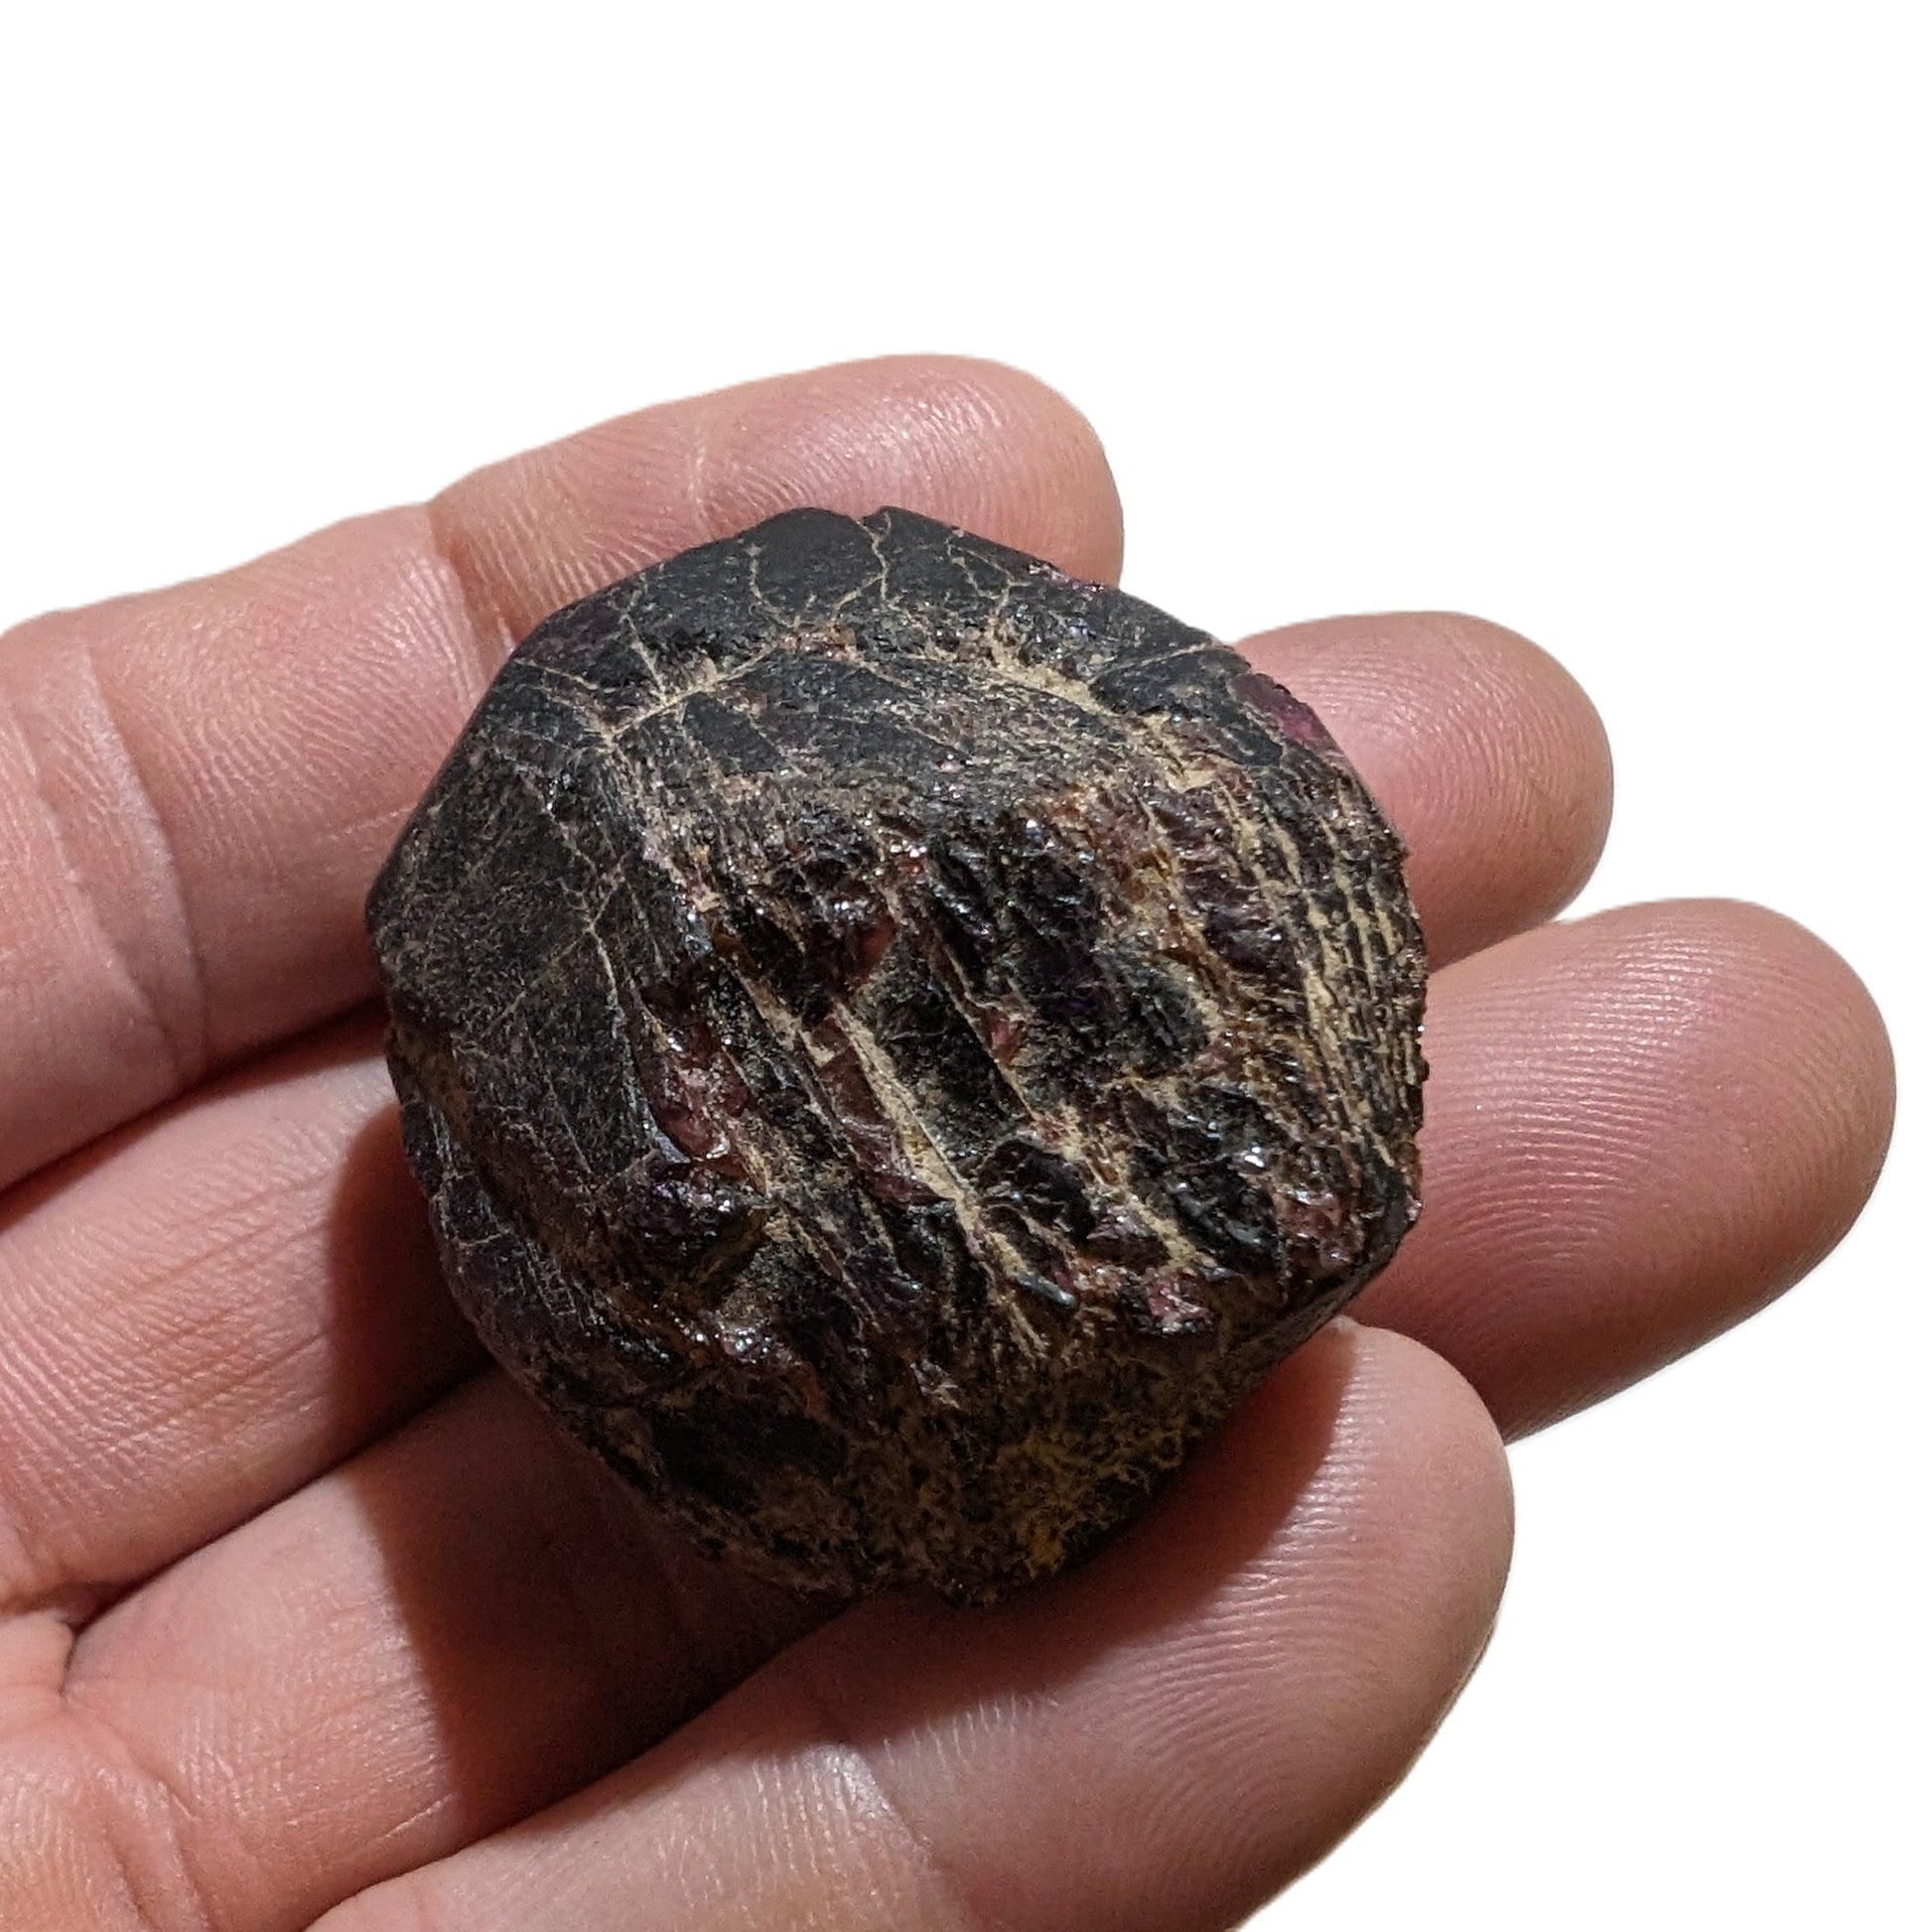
[898, 1041]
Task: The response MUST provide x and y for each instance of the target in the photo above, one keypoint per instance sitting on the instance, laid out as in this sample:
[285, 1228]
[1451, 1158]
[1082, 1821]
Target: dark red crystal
[898, 1041]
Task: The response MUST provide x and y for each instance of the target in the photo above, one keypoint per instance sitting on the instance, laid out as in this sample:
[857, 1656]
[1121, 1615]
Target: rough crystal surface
[898, 1041]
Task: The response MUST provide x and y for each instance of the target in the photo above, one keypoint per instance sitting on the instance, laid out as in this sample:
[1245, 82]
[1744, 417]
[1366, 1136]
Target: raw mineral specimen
[898, 1041]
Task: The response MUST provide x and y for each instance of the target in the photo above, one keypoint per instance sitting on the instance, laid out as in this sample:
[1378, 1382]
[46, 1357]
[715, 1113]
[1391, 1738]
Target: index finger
[197, 785]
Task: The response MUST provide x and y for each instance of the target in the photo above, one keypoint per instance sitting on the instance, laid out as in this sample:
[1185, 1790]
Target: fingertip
[1367, 1611]
[1217, 1697]
[1487, 753]
[1059, 500]
[1642, 1127]
[1413, 1493]
[1779, 1047]
[1849, 1051]
[972, 443]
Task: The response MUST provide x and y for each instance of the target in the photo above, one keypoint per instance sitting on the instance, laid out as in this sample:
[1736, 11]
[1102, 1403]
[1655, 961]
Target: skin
[307, 1618]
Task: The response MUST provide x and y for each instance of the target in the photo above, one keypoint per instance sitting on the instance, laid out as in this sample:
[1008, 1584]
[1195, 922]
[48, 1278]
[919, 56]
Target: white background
[1611, 323]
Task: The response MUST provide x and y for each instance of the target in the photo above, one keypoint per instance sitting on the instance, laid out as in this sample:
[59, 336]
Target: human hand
[306, 1608]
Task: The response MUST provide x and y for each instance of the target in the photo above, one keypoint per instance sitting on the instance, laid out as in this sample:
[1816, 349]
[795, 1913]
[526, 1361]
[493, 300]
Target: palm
[305, 1605]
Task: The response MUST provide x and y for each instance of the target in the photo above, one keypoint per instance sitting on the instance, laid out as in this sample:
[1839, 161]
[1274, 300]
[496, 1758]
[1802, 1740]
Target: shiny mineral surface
[898, 1041]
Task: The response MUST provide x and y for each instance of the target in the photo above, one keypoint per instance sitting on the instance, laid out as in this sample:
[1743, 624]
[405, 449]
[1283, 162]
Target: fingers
[1640, 1126]
[204, 1364]
[204, 1314]
[197, 785]
[1482, 750]
[176, 1371]
[1639, 1129]
[1160, 1740]
[982, 446]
